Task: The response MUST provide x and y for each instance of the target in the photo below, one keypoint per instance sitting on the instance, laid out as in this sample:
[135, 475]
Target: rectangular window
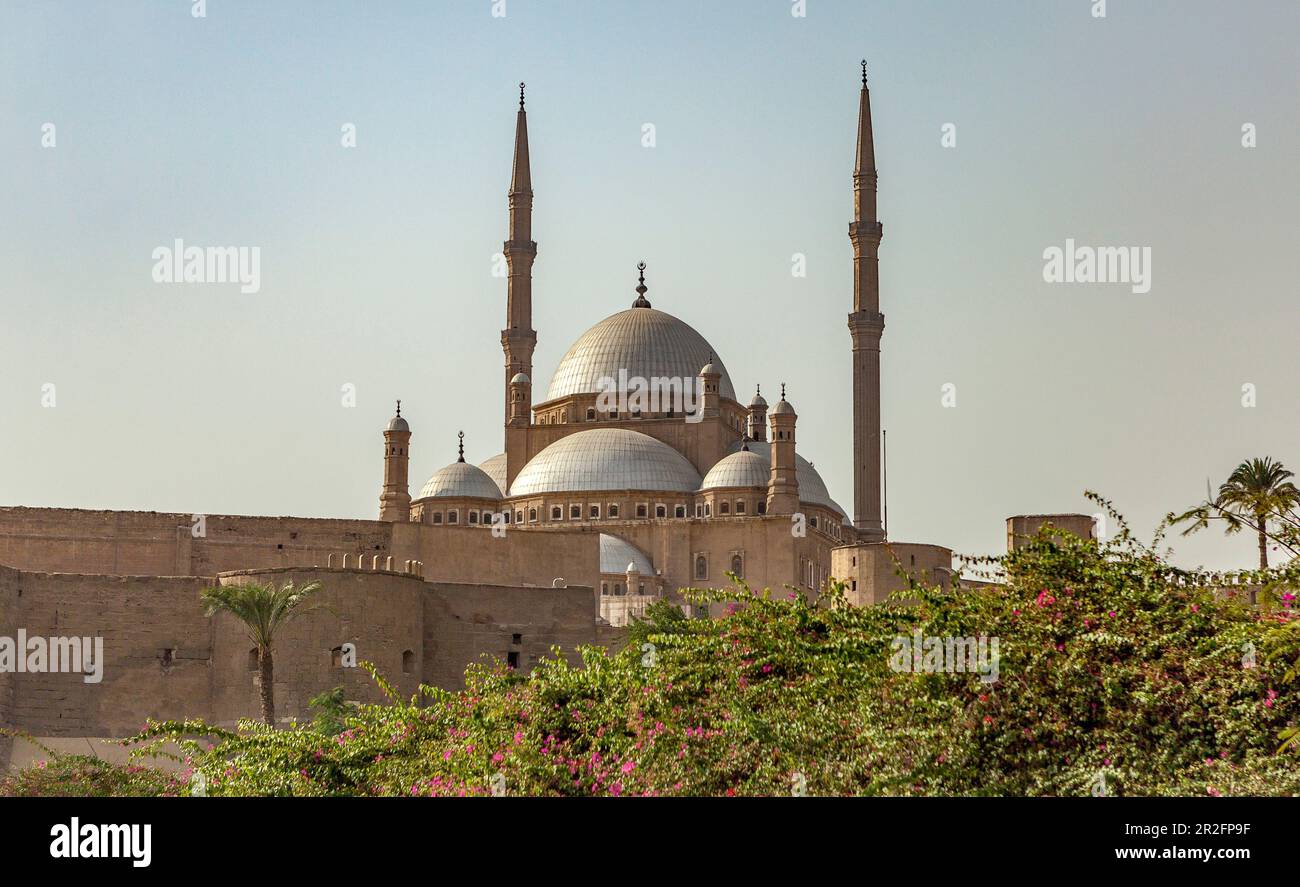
[679, 511]
[642, 510]
[740, 506]
[575, 512]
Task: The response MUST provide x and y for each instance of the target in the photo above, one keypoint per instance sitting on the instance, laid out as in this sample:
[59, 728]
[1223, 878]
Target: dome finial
[864, 72]
[461, 458]
[521, 88]
[641, 288]
[399, 408]
[783, 391]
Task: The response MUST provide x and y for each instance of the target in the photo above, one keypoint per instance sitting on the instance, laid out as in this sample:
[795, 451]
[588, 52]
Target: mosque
[684, 488]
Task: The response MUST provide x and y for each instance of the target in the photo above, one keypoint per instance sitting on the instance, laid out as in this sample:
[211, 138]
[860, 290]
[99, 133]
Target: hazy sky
[376, 261]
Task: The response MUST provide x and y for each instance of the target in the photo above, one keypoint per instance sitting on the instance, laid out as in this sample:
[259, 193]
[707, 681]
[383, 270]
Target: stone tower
[756, 423]
[783, 483]
[519, 338]
[866, 325]
[395, 500]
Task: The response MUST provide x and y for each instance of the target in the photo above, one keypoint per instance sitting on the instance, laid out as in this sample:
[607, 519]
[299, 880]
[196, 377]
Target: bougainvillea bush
[1116, 675]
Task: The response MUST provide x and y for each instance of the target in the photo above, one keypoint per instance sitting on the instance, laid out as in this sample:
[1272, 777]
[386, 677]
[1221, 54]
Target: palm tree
[264, 610]
[1257, 493]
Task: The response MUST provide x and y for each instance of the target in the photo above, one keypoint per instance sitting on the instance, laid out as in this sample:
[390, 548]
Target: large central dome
[642, 342]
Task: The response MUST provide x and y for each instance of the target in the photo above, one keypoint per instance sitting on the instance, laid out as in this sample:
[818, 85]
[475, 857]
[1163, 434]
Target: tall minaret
[866, 324]
[519, 338]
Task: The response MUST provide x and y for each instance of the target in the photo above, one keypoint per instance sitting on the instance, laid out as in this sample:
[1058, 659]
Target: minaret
[395, 500]
[866, 324]
[519, 338]
[783, 482]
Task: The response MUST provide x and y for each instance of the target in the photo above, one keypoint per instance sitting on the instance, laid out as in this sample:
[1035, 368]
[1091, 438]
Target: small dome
[461, 480]
[520, 379]
[397, 423]
[783, 408]
[632, 567]
[615, 552]
[606, 459]
[757, 400]
[710, 369]
[496, 469]
[812, 489]
[744, 469]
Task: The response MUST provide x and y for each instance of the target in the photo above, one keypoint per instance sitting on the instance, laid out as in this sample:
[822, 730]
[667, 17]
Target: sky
[377, 265]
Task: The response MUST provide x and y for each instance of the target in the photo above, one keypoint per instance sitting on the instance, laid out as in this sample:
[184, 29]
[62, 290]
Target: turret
[710, 390]
[783, 483]
[395, 500]
[756, 423]
[520, 400]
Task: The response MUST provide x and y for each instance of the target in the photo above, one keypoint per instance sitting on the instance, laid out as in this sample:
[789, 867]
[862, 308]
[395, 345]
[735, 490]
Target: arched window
[613, 509]
[701, 567]
[738, 565]
[437, 517]
[762, 506]
[591, 415]
[661, 511]
[408, 661]
[473, 517]
[724, 508]
[557, 513]
[532, 515]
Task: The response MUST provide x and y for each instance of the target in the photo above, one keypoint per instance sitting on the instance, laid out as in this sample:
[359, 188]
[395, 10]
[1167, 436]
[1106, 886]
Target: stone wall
[163, 659]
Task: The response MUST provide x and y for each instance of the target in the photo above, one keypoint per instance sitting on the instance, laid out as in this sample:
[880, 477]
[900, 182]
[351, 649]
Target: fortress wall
[140, 543]
[147, 543]
[164, 659]
[139, 619]
[10, 583]
[464, 621]
[472, 555]
[382, 614]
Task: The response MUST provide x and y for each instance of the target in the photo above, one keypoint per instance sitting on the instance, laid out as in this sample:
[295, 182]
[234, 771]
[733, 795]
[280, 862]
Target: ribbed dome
[616, 554]
[460, 479]
[641, 341]
[397, 423]
[811, 486]
[606, 459]
[495, 468]
[744, 469]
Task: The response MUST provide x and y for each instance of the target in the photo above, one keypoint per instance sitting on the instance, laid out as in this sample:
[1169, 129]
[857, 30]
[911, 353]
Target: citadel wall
[162, 658]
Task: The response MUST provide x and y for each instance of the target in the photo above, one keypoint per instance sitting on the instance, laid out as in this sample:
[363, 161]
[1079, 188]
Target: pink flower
[629, 766]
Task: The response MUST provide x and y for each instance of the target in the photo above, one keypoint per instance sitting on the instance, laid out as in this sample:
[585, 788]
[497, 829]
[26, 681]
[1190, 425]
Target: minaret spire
[519, 338]
[866, 326]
